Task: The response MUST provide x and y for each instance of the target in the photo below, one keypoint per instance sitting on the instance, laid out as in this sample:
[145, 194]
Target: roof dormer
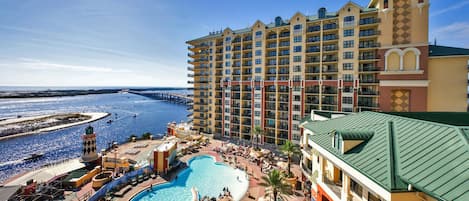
[344, 140]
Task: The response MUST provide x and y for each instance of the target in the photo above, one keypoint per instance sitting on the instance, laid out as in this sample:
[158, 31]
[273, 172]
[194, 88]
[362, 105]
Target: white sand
[94, 116]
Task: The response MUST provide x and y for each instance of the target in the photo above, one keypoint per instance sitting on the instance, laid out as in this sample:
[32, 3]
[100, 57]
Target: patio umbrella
[282, 165]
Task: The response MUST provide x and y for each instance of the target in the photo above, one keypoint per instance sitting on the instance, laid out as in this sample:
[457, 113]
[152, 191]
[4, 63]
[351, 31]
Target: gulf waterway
[151, 116]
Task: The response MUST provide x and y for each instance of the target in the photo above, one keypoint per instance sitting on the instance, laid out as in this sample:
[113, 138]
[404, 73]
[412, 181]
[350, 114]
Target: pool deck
[254, 191]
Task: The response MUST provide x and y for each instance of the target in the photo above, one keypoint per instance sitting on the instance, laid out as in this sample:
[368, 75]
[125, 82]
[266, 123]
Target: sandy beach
[94, 116]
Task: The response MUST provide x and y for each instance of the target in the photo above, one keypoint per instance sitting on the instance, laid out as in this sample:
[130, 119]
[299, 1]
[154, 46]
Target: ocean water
[207, 176]
[152, 116]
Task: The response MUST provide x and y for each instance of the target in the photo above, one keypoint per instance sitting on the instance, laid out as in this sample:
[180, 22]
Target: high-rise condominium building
[374, 58]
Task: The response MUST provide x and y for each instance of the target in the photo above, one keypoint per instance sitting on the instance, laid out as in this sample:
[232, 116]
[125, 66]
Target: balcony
[284, 34]
[272, 36]
[367, 57]
[368, 33]
[311, 50]
[368, 93]
[306, 150]
[330, 26]
[369, 45]
[368, 104]
[330, 70]
[330, 59]
[336, 188]
[368, 69]
[313, 29]
[312, 60]
[313, 39]
[370, 20]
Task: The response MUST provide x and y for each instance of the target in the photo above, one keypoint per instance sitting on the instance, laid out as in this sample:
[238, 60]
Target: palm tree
[290, 150]
[275, 185]
[257, 131]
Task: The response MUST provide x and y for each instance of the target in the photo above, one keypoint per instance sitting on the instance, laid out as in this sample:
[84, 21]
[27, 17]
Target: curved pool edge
[204, 155]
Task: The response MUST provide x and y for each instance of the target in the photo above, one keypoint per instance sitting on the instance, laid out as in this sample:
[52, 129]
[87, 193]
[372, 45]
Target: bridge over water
[166, 96]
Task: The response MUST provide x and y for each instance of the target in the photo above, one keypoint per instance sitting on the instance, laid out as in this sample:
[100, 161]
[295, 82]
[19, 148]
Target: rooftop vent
[322, 13]
[278, 21]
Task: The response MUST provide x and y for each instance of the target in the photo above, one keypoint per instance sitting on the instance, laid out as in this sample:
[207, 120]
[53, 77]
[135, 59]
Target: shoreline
[94, 117]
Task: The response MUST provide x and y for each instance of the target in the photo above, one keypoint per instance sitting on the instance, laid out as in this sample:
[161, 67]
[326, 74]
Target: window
[348, 55]
[258, 52]
[258, 61]
[227, 64]
[258, 43]
[297, 98]
[297, 78]
[386, 4]
[348, 43]
[373, 197]
[297, 39]
[349, 21]
[257, 113]
[347, 66]
[257, 105]
[297, 27]
[258, 70]
[227, 71]
[258, 34]
[228, 48]
[257, 122]
[227, 118]
[297, 48]
[356, 188]
[296, 108]
[228, 39]
[348, 32]
[296, 58]
[347, 100]
[227, 56]
[348, 77]
[296, 68]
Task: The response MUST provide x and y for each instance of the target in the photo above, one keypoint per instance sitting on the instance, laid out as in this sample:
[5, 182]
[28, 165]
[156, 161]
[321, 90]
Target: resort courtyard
[236, 156]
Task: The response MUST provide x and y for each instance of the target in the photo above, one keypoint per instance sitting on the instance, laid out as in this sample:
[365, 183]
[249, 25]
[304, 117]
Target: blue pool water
[206, 175]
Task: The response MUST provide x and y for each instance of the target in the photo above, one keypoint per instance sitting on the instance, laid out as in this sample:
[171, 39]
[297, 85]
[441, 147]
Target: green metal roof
[437, 50]
[432, 157]
[451, 118]
[355, 135]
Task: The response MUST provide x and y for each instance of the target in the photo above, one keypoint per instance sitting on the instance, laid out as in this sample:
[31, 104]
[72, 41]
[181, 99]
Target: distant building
[89, 146]
[359, 58]
[164, 155]
[388, 156]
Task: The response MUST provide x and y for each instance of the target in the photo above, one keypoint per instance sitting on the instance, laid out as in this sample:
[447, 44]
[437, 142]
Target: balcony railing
[368, 69]
[335, 187]
[366, 21]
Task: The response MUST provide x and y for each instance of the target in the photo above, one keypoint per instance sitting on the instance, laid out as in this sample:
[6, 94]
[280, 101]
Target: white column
[345, 187]
[417, 62]
[401, 62]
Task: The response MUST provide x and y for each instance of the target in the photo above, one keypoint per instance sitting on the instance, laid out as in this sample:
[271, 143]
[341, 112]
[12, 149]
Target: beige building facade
[359, 58]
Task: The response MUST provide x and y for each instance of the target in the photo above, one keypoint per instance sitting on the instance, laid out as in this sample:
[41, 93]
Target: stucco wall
[447, 89]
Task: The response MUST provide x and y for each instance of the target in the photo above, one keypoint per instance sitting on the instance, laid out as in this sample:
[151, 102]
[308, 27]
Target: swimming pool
[206, 175]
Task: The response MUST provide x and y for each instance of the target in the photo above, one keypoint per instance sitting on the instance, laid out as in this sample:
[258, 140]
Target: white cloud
[456, 30]
[454, 7]
[36, 64]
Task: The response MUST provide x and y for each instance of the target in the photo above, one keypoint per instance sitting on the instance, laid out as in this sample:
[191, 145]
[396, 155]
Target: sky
[142, 42]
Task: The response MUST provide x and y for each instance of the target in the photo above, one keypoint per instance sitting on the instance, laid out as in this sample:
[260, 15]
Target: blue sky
[142, 42]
